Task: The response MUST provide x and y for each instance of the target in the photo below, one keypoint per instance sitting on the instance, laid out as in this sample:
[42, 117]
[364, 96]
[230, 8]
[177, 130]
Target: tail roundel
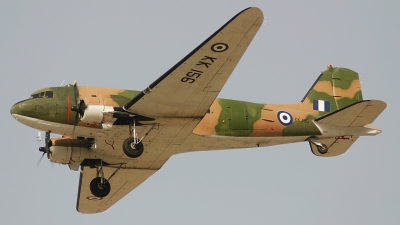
[334, 89]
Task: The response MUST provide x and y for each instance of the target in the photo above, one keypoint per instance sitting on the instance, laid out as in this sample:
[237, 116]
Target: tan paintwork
[98, 96]
[87, 203]
[207, 125]
[185, 93]
[361, 114]
[348, 93]
[176, 120]
[326, 86]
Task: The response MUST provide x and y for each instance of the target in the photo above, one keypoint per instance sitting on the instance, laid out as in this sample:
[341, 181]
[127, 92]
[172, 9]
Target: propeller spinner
[46, 148]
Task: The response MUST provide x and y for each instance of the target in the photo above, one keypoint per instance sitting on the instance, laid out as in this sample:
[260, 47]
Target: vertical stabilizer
[334, 89]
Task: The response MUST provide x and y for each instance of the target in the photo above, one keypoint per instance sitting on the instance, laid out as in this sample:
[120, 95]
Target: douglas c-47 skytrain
[118, 138]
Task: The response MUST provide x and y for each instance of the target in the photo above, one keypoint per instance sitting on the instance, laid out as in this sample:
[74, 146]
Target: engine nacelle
[70, 151]
[98, 115]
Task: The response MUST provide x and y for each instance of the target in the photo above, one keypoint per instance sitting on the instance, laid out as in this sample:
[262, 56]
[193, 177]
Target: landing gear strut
[133, 146]
[321, 148]
[99, 186]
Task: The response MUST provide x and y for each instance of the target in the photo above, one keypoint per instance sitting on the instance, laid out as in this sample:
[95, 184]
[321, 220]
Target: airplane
[119, 138]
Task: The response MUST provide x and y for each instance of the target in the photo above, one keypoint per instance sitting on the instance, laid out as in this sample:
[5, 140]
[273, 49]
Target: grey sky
[129, 44]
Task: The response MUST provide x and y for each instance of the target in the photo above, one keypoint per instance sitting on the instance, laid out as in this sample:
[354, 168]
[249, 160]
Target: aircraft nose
[14, 109]
[17, 108]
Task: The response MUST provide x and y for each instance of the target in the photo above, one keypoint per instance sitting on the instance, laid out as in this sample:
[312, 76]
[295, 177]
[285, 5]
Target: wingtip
[254, 10]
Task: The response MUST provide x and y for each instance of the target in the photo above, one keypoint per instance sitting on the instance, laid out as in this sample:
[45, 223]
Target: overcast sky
[129, 44]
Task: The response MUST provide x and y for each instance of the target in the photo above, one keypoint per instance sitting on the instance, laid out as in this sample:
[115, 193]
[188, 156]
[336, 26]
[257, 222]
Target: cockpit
[43, 94]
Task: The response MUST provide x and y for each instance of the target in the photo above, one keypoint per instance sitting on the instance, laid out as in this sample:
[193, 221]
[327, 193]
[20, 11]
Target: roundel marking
[219, 47]
[285, 118]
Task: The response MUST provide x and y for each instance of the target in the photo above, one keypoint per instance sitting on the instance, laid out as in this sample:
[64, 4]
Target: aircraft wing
[190, 87]
[356, 115]
[124, 181]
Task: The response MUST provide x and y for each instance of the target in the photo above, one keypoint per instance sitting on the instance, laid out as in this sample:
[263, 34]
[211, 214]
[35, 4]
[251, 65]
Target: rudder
[334, 89]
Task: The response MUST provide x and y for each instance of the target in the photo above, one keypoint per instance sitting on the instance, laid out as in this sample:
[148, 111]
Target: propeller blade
[40, 160]
[76, 91]
[77, 108]
[76, 123]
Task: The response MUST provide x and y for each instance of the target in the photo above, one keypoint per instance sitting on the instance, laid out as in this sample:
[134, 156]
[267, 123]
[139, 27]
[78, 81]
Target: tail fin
[334, 89]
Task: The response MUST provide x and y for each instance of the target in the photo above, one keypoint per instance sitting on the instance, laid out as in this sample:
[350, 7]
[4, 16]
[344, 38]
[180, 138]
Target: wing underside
[187, 91]
[190, 87]
[124, 181]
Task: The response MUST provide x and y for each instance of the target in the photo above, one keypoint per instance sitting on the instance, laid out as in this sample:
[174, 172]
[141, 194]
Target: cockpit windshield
[43, 94]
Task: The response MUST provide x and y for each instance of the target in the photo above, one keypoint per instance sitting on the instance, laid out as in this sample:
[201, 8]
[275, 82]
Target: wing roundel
[190, 87]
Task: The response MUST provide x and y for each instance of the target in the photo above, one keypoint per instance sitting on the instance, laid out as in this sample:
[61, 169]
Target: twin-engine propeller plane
[119, 138]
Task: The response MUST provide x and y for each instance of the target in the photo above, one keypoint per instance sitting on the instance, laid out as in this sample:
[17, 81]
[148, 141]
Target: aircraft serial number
[194, 74]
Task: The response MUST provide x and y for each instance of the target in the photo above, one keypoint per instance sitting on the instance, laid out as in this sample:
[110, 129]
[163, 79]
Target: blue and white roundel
[285, 118]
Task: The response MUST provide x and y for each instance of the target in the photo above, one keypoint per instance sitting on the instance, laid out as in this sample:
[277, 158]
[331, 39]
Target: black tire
[98, 189]
[131, 150]
[322, 149]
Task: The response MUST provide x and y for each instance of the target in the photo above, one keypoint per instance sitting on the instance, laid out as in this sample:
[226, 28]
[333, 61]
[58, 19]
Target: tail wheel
[323, 149]
[99, 188]
[131, 149]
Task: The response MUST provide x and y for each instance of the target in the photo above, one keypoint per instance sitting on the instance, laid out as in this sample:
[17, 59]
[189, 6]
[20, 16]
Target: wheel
[322, 149]
[131, 149]
[99, 189]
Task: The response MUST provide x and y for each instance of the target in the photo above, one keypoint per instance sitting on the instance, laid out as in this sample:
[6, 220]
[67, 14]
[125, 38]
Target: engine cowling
[98, 115]
[70, 151]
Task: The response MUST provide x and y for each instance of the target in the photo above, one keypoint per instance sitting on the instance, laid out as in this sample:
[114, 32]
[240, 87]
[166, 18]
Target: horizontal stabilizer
[336, 146]
[356, 115]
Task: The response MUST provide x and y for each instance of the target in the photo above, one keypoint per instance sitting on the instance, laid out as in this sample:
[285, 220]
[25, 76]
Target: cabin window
[35, 96]
[47, 94]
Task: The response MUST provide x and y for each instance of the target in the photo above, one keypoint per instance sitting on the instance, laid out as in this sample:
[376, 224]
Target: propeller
[80, 106]
[46, 148]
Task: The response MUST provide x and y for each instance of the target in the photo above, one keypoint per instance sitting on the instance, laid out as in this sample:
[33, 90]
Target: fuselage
[229, 118]
[97, 115]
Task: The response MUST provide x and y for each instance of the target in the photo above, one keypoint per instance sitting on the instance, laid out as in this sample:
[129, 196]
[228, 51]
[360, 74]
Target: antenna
[62, 83]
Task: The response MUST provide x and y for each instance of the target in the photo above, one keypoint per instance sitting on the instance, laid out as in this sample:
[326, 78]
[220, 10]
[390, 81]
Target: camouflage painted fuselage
[336, 88]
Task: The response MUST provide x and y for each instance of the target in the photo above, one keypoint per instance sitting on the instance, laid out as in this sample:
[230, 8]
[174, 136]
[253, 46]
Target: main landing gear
[133, 146]
[99, 186]
[321, 148]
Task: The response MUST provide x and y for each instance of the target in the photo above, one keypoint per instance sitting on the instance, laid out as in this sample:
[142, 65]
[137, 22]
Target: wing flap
[190, 87]
[356, 115]
[124, 181]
